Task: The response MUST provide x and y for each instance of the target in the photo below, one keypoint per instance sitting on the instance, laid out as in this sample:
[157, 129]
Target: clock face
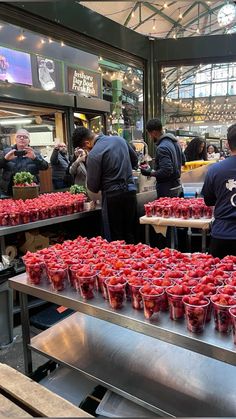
[226, 14]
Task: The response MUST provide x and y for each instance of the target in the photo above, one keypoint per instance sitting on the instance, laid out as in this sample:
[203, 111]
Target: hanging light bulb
[198, 30]
[21, 37]
[154, 25]
[50, 41]
[42, 41]
[180, 15]
[62, 44]
[165, 5]
[132, 14]
[174, 36]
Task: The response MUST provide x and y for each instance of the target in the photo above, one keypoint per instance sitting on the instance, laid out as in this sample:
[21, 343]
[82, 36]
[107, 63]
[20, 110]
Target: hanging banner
[83, 81]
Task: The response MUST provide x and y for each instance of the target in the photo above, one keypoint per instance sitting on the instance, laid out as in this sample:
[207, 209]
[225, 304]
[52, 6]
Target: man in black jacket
[168, 161]
[20, 158]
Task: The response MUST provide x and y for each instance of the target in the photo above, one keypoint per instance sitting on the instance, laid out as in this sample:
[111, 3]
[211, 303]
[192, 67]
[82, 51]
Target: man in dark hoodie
[168, 161]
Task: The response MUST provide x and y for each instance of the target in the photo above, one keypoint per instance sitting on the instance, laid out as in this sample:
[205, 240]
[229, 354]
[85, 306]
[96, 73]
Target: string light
[21, 37]
[50, 41]
[100, 58]
[42, 41]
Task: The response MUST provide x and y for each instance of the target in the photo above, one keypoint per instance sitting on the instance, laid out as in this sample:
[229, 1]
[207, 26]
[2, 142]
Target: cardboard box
[34, 241]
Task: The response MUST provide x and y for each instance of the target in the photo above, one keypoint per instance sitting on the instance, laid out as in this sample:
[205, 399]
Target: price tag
[61, 309]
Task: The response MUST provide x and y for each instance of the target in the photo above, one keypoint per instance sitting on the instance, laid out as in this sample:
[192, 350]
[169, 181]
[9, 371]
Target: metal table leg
[26, 333]
[2, 245]
[172, 235]
[204, 234]
[189, 235]
[147, 234]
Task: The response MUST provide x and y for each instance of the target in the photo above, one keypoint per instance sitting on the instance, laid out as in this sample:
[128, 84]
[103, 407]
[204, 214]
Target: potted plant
[24, 186]
[79, 189]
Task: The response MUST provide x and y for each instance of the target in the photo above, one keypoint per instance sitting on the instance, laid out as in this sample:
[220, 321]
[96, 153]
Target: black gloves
[148, 172]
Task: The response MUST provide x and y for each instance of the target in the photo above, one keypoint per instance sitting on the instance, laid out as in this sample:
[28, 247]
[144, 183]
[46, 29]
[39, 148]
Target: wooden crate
[22, 397]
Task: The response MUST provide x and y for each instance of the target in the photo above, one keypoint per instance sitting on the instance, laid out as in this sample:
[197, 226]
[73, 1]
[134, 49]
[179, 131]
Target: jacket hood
[169, 137]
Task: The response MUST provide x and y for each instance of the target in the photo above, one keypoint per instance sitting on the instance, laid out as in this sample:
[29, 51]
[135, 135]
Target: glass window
[232, 88]
[186, 91]
[202, 90]
[173, 94]
[203, 74]
[219, 89]
[220, 72]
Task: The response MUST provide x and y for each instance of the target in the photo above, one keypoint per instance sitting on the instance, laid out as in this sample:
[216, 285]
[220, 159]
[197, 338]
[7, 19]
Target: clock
[226, 14]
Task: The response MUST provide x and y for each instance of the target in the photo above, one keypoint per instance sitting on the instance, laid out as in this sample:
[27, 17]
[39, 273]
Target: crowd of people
[103, 164]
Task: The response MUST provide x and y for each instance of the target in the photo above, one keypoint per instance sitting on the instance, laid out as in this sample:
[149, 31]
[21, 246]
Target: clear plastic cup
[195, 315]
[160, 283]
[136, 298]
[58, 277]
[152, 302]
[232, 312]
[116, 293]
[86, 285]
[73, 269]
[176, 305]
[222, 317]
[36, 272]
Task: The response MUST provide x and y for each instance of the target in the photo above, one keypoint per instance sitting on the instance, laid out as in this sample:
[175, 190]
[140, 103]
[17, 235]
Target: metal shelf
[210, 343]
[42, 223]
[121, 360]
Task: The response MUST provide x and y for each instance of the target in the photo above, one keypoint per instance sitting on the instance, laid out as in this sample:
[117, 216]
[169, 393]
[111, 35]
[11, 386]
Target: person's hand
[30, 153]
[10, 155]
[80, 154]
[146, 172]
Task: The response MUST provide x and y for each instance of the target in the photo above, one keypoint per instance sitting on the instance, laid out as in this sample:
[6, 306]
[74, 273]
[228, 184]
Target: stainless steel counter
[154, 374]
[210, 343]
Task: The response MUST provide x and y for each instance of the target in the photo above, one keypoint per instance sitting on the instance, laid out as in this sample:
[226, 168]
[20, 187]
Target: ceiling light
[21, 37]
[15, 121]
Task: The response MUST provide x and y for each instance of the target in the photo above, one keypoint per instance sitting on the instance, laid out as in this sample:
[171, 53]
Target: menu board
[83, 81]
[15, 66]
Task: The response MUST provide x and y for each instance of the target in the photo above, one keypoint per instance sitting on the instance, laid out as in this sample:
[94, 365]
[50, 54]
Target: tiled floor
[12, 354]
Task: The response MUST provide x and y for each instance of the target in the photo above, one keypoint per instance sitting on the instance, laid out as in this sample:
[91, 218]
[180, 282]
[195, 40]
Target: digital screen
[15, 66]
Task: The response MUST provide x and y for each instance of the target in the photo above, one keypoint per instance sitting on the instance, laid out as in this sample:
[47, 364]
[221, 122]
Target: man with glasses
[20, 158]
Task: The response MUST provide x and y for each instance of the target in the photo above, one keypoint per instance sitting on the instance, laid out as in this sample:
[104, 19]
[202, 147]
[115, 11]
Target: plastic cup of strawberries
[85, 282]
[221, 305]
[116, 288]
[35, 270]
[58, 275]
[208, 290]
[163, 283]
[135, 283]
[232, 312]
[196, 311]
[175, 296]
[152, 297]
